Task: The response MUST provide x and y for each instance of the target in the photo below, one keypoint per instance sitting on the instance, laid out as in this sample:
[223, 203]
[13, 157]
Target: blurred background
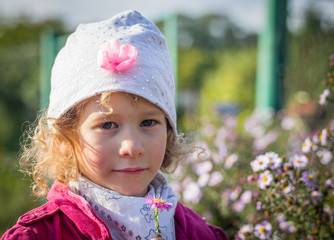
[231, 57]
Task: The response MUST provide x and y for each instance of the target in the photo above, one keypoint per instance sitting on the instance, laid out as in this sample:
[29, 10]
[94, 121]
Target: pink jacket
[69, 216]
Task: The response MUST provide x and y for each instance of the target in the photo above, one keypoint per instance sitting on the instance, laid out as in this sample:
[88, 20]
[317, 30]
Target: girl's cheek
[92, 159]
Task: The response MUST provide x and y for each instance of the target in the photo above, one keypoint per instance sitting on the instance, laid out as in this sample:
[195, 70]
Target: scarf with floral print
[129, 217]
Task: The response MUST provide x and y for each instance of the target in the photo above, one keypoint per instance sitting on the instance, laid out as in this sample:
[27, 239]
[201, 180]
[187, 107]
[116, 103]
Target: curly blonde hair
[50, 148]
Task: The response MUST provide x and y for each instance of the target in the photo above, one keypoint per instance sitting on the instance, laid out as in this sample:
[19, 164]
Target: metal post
[271, 54]
[50, 44]
[170, 30]
[47, 49]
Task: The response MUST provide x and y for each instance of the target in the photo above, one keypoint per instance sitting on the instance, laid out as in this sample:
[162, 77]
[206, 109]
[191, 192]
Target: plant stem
[156, 218]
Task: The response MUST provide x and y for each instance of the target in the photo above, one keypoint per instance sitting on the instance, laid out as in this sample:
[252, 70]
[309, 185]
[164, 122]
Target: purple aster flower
[323, 97]
[274, 161]
[329, 183]
[265, 179]
[192, 193]
[263, 230]
[309, 179]
[250, 179]
[226, 196]
[331, 57]
[325, 156]
[216, 178]
[288, 188]
[246, 197]
[260, 163]
[287, 227]
[315, 196]
[238, 206]
[230, 160]
[299, 161]
[307, 145]
[324, 136]
[245, 231]
[235, 193]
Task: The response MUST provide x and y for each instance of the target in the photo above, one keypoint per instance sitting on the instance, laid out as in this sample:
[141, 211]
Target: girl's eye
[108, 125]
[148, 123]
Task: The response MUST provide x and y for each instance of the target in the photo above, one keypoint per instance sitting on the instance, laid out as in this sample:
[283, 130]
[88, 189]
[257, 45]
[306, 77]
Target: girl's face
[122, 148]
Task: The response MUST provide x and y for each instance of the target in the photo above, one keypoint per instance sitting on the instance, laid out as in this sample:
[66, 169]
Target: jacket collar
[79, 211]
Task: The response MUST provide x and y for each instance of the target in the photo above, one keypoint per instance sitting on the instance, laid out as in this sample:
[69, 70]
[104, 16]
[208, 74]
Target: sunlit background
[216, 56]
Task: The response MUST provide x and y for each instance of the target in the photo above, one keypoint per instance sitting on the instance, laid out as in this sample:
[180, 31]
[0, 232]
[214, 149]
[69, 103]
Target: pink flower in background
[235, 193]
[307, 145]
[260, 163]
[238, 206]
[176, 186]
[264, 141]
[202, 167]
[216, 178]
[299, 161]
[323, 137]
[246, 197]
[288, 123]
[323, 97]
[219, 157]
[265, 179]
[325, 156]
[209, 130]
[287, 227]
[245, 231]
[329, 183]
[274, 161]
[230, 160]
[203, 179]
[113, 57]
[192, 193]
[226, 196]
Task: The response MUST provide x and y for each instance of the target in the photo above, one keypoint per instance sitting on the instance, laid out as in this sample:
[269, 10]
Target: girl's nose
[131, 148]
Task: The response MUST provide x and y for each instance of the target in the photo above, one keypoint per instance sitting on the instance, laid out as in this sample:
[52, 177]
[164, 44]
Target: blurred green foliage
[19, 103]
[19, 76]
[307, 57]
[15, 198]
[232, 82]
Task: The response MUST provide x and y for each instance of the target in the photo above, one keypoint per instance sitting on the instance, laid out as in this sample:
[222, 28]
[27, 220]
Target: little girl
[109, 132]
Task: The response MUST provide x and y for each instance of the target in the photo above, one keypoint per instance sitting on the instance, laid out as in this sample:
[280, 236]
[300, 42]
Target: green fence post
[271, 54]
[47, 49]
[50, 44]
[170, 30]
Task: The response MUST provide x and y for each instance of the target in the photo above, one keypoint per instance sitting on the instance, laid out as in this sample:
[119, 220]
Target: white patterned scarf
[130, 217]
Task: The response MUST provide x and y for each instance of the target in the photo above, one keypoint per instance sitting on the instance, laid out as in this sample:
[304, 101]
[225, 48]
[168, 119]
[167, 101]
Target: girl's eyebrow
[142, 110]
[151, 112]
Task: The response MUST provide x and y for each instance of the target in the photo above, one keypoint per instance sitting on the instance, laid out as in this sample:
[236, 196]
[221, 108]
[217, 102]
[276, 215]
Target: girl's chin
[130, 193]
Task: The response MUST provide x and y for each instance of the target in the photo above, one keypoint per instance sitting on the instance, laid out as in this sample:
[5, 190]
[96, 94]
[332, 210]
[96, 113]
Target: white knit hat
[77, 73]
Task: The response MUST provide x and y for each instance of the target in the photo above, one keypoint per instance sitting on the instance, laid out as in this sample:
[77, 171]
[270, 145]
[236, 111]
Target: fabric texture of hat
[77, 73]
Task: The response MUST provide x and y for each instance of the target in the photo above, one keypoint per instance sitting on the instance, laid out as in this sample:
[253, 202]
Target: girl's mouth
[130, 171]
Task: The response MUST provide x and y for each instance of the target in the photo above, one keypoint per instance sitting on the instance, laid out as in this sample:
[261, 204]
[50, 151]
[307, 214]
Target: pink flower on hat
[113, 57]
